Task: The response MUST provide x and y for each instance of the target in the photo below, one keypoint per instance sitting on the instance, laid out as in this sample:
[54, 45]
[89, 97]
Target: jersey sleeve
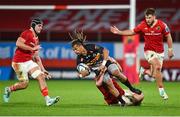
[78, 60]
[138, 28]
[24, 35]
[95, 48]
[99, 48]
[27, 36]
[166, 29]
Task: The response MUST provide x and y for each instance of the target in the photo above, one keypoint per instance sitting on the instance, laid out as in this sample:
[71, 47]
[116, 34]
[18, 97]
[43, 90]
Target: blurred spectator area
[95, 23]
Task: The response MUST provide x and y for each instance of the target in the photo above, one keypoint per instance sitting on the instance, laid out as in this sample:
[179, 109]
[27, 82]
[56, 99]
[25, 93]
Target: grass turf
[82, 98]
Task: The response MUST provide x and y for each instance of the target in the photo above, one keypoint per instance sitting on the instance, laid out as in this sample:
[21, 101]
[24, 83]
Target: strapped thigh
[112, 67]
[19, 69]
[36, 73]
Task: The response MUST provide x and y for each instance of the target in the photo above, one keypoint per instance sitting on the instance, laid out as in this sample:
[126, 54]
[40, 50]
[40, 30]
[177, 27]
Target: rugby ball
[82, 67]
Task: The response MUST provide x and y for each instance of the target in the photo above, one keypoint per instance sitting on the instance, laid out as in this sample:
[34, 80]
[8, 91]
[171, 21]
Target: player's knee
[157, 67]
[156, 70]
[24, 84]
[115, 72]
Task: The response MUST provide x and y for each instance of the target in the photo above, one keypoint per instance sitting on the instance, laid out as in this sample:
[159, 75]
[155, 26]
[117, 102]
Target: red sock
[103, 90]
[12, 88]
[117, 86]
[44, 91]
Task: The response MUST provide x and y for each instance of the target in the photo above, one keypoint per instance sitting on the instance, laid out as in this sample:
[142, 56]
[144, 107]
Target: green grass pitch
[82, 98]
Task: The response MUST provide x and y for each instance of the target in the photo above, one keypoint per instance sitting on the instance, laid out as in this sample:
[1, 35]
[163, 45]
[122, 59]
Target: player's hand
[99, 78]
[36, 48]
[114, 30]
[102, 67]
[80, 75]
[170, 53]
[102, 71]
[47, 74]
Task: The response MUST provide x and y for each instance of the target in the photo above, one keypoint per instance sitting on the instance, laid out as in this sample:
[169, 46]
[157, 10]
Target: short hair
[150, 11]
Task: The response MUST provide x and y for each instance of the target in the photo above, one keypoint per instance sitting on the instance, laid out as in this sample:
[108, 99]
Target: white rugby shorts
[149, 55]
[22, 69]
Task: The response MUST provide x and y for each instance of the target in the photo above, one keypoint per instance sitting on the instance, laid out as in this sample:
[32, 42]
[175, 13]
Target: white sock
[47, 98]
[161, 89]
[9, 89]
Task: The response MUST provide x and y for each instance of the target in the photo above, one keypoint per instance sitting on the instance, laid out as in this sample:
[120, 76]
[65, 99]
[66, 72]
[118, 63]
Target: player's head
[37, 25]
[77, 42]
[150, 16]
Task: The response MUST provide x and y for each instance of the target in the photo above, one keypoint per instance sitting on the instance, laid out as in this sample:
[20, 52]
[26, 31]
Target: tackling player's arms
[105, 54]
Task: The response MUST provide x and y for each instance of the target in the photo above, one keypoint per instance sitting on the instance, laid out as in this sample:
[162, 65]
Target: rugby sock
[127, 83]
[47, 98]
[121, 91]
[44, 91]
[161, 89]
[103, 90]
[121, 100]
[12, 88]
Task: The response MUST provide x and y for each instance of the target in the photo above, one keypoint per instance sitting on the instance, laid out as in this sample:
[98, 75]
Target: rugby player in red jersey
[27, 62]
[154, 32]
[130, 98]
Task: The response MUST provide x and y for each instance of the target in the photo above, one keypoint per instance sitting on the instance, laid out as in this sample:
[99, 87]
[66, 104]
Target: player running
[27, 62]
[154, 32]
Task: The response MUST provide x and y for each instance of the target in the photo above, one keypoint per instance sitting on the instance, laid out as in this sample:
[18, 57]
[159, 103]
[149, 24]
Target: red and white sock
[45, 93]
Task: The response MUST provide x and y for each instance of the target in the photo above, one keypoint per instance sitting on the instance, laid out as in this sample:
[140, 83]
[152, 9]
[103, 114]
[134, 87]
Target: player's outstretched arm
[115, 30]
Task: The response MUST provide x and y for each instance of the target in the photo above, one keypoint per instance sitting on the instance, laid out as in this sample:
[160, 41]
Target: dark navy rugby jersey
[94, 55]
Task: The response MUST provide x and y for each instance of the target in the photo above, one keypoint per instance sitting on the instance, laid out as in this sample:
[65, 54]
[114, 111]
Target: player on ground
[98, 60]
[154, 32]
[26, 62]
[129, 97]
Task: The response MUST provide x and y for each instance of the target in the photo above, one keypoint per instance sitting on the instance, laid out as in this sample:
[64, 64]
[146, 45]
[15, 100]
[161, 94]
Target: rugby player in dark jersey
[98, 60]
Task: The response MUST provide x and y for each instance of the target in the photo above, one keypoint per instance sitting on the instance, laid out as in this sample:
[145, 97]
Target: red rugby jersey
[153, 35]
[25, 55]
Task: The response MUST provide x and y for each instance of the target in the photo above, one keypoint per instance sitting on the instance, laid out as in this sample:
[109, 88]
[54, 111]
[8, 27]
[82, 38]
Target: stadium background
[57, 54]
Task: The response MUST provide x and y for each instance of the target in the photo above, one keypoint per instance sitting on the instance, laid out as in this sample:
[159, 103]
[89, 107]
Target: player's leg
[117, 86]
[112, 89]
[156, 61]
[156, 73]
[114, 70]
[108, 97]
[143, 71]
[37, 74]
[148, 55]
[22, 84]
